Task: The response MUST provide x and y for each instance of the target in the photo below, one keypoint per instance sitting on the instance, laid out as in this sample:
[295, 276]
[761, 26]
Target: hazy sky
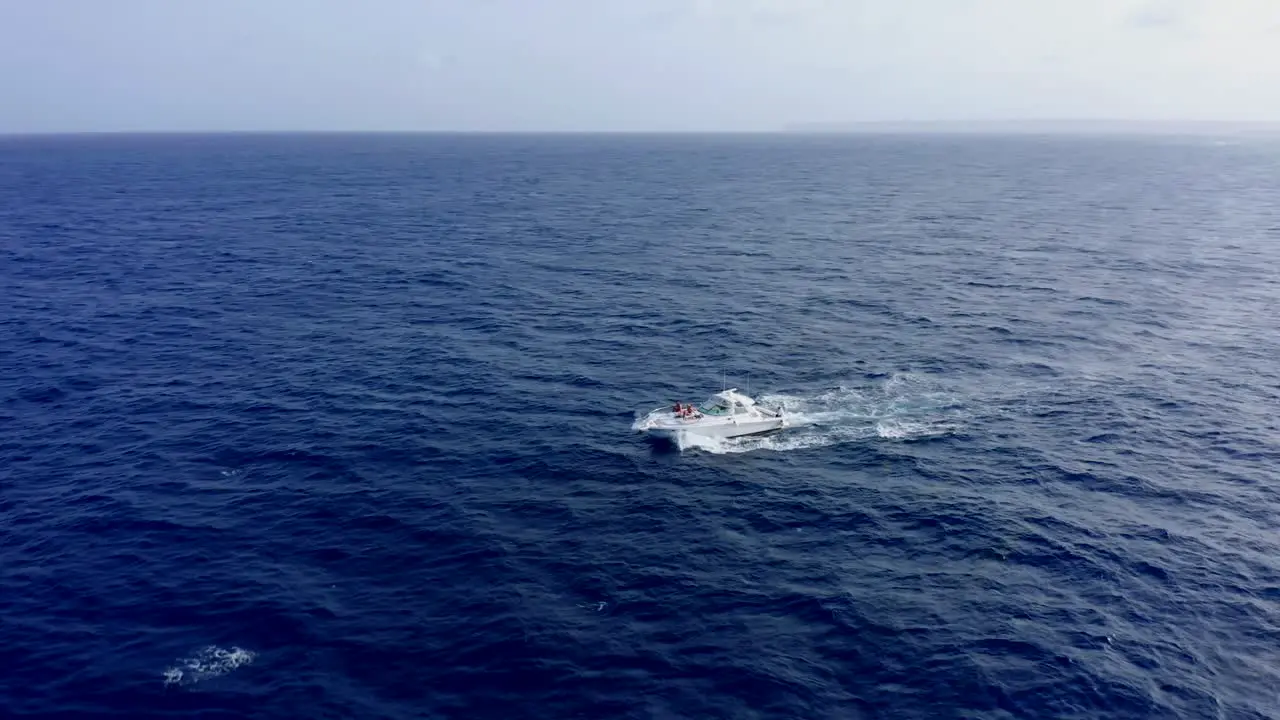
[70, 65]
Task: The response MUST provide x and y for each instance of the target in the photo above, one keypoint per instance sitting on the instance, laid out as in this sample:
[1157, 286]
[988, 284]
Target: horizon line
[1050, 125]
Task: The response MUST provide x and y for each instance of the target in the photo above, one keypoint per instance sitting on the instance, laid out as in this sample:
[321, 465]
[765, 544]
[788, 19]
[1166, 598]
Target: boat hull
[674, 431]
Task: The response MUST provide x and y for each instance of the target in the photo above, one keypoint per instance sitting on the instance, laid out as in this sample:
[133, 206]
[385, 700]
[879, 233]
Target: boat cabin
[729, 402]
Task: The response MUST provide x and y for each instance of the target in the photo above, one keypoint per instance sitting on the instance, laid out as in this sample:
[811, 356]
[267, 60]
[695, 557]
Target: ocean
[339, 426]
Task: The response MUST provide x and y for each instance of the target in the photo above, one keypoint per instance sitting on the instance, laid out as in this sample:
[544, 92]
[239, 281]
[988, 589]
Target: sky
[626, 65]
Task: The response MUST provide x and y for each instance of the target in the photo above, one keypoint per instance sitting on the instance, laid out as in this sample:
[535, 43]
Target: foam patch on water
[208, 662]
[908, 430]
[902, 407]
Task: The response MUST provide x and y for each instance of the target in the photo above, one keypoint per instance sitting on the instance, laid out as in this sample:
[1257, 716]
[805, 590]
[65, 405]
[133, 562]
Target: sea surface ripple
[338, 427]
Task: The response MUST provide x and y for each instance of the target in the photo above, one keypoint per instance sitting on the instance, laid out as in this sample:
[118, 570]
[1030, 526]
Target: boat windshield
[714, 406]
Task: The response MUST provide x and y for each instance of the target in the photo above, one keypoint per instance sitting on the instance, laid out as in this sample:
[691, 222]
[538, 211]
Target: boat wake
[903, 407]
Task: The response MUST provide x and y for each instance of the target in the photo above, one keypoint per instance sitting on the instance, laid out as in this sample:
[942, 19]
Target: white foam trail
[644, 421]
[208, 662]
[901, 407]
[907, 430]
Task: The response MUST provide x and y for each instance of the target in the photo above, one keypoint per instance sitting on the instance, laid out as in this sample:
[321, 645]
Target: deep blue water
[339, 427]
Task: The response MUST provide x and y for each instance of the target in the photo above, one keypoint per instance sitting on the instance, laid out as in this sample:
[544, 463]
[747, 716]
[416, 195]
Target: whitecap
[208, 662]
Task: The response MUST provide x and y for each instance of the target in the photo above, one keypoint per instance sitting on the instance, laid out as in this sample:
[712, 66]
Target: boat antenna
[748, 384]
[724, 385]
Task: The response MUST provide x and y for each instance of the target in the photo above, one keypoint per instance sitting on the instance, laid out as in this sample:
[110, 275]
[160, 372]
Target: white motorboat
[726, 414]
